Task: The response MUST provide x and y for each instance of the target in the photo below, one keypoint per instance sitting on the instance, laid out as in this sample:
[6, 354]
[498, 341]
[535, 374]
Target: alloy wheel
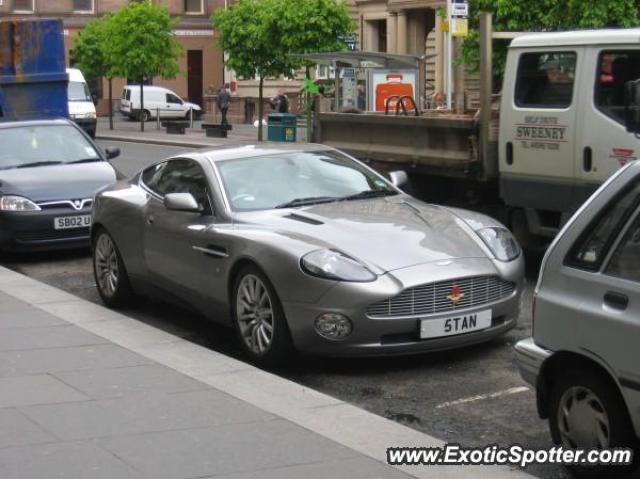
[582, 420]
[106, 263]
[254, 313]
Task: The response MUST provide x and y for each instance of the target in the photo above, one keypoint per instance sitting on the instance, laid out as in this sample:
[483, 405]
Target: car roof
[580, 37]
[233, 152]
[146, 87]
[10, 123]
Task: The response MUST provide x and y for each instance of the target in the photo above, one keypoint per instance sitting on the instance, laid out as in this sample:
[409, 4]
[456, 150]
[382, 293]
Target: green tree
[546, 15]
[89, 55]
[142, 45]
[259, 36]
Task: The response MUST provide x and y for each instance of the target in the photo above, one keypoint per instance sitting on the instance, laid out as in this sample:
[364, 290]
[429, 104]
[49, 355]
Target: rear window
[545, 80]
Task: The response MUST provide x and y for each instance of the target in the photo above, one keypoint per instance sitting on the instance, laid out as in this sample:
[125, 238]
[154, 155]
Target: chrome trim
[77, 205]
[210, 252]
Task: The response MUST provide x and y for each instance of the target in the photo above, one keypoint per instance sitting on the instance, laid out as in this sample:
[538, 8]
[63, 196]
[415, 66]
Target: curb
[343, 423]
[156, 141]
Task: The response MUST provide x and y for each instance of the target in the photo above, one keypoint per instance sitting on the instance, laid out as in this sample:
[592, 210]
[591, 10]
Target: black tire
[280, 347]
[619, 431]
[122, 294]
[144, 115]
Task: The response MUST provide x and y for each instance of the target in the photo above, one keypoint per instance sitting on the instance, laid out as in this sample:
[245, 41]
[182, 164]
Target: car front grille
[75, 205]
[51, 235]
[440, 297]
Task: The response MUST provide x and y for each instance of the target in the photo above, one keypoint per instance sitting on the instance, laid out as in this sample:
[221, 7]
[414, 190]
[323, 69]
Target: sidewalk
[88, 393]
[195, 137]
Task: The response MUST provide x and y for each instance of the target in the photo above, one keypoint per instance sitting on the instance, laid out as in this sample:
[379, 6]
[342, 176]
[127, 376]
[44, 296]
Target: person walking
[280, 103]
[222, 100]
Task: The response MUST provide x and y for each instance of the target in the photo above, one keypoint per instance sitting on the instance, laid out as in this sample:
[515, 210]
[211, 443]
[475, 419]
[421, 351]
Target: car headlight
[91, 114]
[331, 264]
[17, 203]
[501, 243]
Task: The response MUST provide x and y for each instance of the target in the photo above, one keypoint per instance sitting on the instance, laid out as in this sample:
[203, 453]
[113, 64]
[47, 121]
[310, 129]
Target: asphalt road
[472, 396]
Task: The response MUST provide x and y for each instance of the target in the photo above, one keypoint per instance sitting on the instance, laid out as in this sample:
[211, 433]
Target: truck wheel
[587, 412]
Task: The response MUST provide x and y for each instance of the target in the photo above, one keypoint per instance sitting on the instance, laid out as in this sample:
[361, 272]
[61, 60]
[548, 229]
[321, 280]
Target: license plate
[459, 324]
[70, 222]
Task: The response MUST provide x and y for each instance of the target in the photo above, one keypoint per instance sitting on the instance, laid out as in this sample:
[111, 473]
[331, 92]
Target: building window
[193, 6]
[83, 6]
[23, 5]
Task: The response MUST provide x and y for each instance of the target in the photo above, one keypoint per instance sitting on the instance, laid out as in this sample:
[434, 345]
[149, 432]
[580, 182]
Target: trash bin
[281, 127]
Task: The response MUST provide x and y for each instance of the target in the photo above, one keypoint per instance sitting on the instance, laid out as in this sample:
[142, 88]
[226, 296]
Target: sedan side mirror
[112, 152]
[181, 202]
[399, 178]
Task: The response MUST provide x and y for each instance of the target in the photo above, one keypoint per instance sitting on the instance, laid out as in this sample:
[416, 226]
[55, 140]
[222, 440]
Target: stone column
[401, 42]
[392, 32]
[440, 63]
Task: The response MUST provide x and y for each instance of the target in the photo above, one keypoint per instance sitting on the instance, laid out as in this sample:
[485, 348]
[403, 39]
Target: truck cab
[562, 121]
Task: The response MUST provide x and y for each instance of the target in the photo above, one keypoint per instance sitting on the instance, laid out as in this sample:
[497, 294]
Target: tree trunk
[141, 105]
[260, 108]
[110, 105]
[308, 101]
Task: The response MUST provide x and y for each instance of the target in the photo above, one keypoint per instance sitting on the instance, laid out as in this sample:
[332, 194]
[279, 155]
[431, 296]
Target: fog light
[333, 326]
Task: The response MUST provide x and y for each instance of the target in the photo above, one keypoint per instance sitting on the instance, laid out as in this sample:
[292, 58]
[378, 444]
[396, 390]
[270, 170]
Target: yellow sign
[444, 26]
[459, 27]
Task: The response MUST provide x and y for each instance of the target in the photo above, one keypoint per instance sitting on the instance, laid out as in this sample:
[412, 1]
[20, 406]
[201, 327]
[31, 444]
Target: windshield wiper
[369, 194]
[84, 160]
[311, 200]
[36, 163]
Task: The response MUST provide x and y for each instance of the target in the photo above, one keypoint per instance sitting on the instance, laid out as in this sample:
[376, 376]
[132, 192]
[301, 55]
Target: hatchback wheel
[587, 412]
[109, 272]
[258, 318]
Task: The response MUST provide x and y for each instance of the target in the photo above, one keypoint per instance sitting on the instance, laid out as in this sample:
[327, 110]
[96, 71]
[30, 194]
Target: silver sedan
[306, 248]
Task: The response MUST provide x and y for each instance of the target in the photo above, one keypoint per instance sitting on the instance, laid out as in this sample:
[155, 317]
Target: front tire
[144, 116]
[587, 412]
[109, 272]
[258, 318]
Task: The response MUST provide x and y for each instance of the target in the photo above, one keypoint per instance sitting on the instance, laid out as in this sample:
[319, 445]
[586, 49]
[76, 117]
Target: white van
[81, 108]
[157, 101]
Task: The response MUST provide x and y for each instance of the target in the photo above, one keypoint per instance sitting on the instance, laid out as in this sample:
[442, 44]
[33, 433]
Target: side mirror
[632, 106]
[399, 178]
[181, 202]
[112, 152]
[94, 99]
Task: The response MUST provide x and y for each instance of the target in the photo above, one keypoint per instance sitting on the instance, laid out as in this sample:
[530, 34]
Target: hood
[384, 233]
[192, 105]
[57, 182]
[80, 107]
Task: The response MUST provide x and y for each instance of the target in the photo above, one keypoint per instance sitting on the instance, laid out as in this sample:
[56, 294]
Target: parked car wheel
[258, 317]
[110, 273]
[144, 115]
[586, 412]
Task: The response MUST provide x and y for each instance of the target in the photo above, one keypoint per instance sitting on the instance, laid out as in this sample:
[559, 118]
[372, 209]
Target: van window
[615, 68]
[545, 79]
[625, 262]
[592, 246]
[173, 99]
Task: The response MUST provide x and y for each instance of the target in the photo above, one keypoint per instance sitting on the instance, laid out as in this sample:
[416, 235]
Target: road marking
[506, 392]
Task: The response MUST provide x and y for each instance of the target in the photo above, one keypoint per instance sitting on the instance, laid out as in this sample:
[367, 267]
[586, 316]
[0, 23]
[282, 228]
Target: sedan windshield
[39, 145]
[288, 180]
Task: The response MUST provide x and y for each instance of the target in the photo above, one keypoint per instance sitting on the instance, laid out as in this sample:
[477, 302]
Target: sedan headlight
[17, 203]
[501, 243]
[331, 264]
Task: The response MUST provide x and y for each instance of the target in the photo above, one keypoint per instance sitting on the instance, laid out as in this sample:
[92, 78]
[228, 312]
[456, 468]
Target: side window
[615, 68]
[592, 246]
[625, 261]
[545, 79]
[179, 176]
[173, 99]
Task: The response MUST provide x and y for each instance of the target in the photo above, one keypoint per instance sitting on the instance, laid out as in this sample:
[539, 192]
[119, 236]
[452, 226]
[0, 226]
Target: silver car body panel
[403, 241]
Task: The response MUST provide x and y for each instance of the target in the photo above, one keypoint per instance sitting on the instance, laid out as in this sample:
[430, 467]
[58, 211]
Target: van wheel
[587, 412]
[144, 115]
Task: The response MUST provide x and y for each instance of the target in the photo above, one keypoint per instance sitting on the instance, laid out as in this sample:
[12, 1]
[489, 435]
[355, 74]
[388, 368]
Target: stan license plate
[460, 324]
[70, 222]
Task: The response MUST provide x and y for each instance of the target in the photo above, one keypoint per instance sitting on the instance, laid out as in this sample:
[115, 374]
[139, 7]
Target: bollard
[157, 118]
[190, 117]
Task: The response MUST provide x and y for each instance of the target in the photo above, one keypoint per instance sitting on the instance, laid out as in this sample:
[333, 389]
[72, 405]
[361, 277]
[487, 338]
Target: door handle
[616, 300]
[587, 159]
[509, 153]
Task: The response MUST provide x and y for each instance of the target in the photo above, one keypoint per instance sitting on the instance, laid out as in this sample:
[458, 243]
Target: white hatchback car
[584, 356]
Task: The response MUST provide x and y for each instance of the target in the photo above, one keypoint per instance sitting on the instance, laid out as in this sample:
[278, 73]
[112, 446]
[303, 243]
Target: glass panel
[545, 79]
[23, 5]
[83, 5]
[193, 6]
[625, 262]
[615, 68]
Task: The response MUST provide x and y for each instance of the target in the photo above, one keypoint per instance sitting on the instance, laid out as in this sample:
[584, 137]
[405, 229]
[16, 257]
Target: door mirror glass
[632, 106]
[399, 178]
[181, 202]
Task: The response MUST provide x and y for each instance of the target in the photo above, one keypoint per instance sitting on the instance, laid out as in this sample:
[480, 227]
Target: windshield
[46, 144]
[297, 179]
[78, 91]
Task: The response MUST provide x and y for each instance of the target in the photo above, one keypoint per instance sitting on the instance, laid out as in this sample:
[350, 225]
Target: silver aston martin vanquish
[306, 248]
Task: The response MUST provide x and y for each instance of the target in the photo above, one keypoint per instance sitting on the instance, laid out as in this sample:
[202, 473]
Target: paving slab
[37, 389]
[17, 430]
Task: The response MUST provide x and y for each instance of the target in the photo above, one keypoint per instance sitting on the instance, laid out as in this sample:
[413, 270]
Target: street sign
[460, 9]
[349, 41]
[459, 27]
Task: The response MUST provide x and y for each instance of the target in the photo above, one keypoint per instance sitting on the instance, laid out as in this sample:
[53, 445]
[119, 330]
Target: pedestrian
[362, 99]
[222, 100]
[280, 103]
